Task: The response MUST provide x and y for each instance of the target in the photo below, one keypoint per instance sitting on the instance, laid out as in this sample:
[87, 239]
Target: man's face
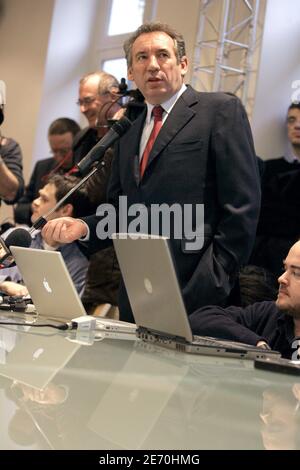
[154, 67]
[61, 147]
[293, 126]
[46, 201]
[96, 108]
[279, 421]
[288, 298]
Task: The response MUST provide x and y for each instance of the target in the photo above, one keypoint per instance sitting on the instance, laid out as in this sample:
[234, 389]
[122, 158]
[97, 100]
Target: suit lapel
[180, 115]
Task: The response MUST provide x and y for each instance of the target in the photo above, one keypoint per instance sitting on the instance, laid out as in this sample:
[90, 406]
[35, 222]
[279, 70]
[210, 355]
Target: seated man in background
[77, 204]
[61, 134]
[11, 169]
[274, 324]
[279, 222]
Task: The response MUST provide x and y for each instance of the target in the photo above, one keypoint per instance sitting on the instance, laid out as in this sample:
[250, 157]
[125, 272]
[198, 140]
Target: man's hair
[151, 27]
[80, 199]
[62, 125]
[106, 84]
[294, 105]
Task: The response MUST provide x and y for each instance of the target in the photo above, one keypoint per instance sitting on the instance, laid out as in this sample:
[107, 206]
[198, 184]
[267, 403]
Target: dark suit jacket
[204, 154]
[279, 221]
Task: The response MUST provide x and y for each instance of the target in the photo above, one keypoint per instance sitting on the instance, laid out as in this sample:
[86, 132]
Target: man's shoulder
[264, 308]
[267, 307]
[211, 95]
[277, 163]
[275, 166]
[44, 163]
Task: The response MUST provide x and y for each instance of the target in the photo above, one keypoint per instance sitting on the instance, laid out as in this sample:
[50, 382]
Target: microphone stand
[41, 221]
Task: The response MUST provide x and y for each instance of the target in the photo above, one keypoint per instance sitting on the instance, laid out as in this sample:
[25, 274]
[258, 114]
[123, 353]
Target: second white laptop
[155, 297]
[52, 290]
[49, 283]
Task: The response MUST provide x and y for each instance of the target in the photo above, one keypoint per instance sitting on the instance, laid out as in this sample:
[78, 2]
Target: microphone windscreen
[19, 237]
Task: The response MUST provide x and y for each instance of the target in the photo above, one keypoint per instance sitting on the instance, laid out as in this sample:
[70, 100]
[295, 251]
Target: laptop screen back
[49, 283]
[152, 286]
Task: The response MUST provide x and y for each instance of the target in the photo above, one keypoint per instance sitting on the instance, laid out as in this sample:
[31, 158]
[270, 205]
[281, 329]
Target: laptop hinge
[153, 336]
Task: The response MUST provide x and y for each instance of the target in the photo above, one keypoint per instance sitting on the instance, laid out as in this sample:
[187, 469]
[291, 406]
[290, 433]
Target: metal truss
[225, 55]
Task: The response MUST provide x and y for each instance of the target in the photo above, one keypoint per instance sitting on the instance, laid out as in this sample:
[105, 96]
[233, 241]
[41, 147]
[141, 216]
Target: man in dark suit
[203, 154]
[61, 134]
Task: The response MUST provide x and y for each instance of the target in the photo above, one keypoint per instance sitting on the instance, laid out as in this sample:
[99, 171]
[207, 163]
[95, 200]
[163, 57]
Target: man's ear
[184, 65]
[67, 210]
[130, 74]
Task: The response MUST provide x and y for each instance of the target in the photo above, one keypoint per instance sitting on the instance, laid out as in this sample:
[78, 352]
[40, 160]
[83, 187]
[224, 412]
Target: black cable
[64, 326]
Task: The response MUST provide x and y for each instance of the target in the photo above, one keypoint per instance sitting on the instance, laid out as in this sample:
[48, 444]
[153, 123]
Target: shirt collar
[290, 155]
[166, 105]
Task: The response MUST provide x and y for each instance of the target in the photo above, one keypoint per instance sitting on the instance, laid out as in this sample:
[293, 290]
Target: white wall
[279, 67]
[183, 16]
[68, 58]
[24, 33]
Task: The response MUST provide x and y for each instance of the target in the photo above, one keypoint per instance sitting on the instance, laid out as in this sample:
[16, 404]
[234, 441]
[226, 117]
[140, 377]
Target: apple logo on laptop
[37, 353]
[46, 285]
[148, 286]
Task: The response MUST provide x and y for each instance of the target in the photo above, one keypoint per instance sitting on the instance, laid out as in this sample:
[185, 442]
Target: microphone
[123, 87]
[18, 237]
[96, 153]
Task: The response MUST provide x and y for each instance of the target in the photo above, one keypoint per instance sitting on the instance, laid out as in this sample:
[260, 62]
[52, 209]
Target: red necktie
[157, 113]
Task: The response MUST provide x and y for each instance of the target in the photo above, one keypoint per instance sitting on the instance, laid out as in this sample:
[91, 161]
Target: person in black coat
[279, 221]
[203, 154]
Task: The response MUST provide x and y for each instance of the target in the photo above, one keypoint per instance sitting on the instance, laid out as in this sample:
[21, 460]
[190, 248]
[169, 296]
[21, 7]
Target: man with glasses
[187, 148]
[98, 102]
[61, 135]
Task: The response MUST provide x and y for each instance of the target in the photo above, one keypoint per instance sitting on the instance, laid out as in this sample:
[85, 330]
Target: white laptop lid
[49, 283]
[152, 285]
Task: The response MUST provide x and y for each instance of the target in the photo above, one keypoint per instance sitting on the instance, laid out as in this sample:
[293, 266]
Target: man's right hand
[64, 230]
[263, 345]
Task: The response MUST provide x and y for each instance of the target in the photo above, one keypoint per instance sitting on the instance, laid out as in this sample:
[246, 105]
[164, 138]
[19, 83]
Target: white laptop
[52, 290]
[157, 304]
[49, 283]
